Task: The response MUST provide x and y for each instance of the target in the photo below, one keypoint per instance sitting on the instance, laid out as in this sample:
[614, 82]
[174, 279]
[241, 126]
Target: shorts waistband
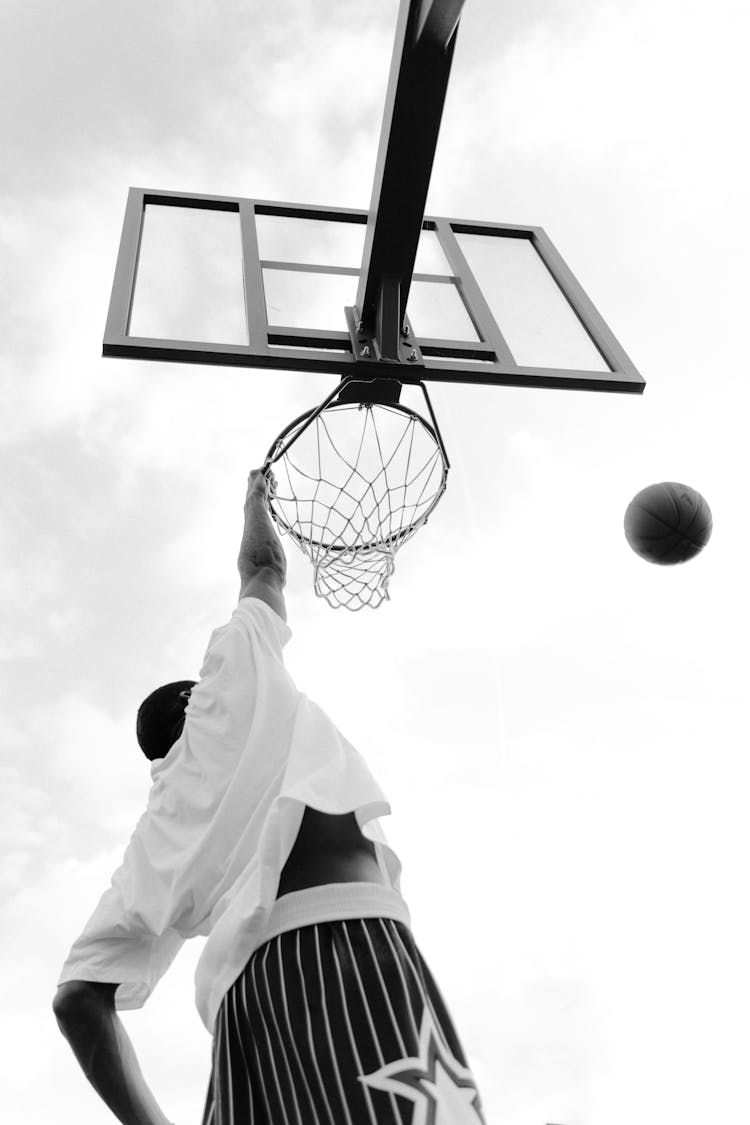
[333, 902]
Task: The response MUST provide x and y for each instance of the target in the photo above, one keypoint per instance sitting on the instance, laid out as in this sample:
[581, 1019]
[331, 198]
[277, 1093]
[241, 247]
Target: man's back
[329, 849]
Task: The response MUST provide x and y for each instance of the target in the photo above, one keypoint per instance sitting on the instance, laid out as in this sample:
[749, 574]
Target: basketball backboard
[381, 298]
[248, 282]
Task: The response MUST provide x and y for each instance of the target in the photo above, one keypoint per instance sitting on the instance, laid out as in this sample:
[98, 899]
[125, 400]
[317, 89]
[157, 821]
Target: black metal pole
[420, 69]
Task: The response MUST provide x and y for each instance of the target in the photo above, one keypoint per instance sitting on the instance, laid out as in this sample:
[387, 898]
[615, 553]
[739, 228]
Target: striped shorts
[339, 1023]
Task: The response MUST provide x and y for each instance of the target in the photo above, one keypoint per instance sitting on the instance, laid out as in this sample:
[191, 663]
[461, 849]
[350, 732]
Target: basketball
[668, 523]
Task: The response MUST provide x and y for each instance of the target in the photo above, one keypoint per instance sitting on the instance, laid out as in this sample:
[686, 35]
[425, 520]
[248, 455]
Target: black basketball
[668, 523]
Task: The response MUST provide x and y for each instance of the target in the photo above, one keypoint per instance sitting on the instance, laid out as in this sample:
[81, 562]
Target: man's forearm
[261, 561]
[107, 1058]
[260, 548]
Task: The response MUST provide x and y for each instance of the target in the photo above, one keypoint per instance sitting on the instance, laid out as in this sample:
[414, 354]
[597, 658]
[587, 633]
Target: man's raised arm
[261, 562]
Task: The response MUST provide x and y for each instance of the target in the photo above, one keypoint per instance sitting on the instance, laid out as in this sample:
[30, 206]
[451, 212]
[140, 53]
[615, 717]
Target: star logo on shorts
[443, 1090]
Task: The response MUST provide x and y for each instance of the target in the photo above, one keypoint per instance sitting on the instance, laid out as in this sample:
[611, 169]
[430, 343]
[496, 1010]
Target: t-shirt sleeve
[114, 950]
[140, 923]
[176, 865]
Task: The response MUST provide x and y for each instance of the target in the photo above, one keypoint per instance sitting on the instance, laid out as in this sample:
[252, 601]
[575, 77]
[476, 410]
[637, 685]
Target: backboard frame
[486, 361]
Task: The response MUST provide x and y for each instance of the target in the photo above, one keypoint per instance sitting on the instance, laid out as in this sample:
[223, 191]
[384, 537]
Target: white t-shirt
[222, 816]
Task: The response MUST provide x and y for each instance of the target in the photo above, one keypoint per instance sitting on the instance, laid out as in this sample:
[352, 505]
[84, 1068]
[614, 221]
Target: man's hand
[258, 486]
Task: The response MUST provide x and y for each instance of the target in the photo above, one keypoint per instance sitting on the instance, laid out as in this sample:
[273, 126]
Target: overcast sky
[561, 727]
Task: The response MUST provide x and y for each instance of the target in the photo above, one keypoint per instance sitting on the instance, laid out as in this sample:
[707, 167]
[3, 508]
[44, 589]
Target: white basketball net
[352, 489]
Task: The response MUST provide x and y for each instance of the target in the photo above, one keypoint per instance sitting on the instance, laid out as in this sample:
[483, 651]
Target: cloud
[208, 67]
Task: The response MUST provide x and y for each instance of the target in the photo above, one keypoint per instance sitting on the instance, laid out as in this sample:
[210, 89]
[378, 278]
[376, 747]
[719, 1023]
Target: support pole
[420, 69]
[389, 322]
[438, 19]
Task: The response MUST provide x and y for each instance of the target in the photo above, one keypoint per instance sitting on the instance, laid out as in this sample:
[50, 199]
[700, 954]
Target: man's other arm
[261, 562]
[86, 1015]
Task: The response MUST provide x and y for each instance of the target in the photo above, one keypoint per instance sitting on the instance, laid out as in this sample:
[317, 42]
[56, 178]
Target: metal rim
[297, 427]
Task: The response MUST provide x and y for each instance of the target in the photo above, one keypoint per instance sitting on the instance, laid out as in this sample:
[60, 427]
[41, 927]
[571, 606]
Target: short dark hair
[161, 718]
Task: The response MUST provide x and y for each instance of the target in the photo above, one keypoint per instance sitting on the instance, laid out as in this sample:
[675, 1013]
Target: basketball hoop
[354, 479]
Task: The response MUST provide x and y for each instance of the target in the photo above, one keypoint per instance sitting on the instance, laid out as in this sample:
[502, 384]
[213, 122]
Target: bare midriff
[329, 849]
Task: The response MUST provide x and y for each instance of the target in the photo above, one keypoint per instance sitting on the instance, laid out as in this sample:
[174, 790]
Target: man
[261, 833]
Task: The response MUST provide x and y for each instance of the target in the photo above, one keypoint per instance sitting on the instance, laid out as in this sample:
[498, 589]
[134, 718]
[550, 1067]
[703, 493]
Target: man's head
[161, 718]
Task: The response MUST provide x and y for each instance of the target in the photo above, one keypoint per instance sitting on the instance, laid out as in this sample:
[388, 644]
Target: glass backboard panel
[430, 257]
[531, 311]
[302, 299]
[189, 283]
[317, 242]
[189, 288]
[436, 311]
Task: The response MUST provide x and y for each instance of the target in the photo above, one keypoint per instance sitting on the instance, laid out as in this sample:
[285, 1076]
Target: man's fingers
[261, 484]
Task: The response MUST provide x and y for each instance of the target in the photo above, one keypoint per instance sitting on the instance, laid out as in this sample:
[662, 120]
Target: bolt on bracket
[366, 347]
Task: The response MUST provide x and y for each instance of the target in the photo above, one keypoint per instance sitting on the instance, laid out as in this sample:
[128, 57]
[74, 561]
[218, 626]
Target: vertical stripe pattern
[339, 1023]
